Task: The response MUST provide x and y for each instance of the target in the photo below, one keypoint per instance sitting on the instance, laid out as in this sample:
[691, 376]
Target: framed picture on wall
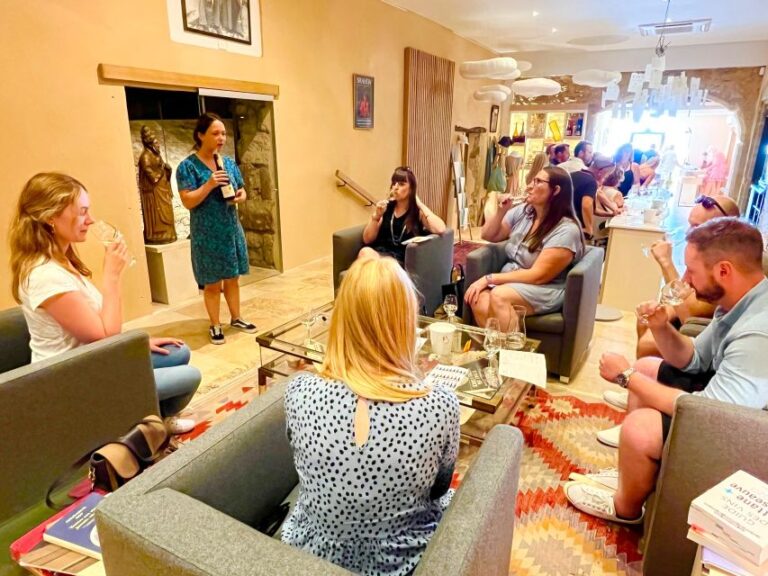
[362, 91]
[494, 124]
[225, 19]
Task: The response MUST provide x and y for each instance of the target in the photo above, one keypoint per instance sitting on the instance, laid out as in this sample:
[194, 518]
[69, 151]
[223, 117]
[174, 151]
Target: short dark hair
[560, 148]
[614, 177]
[580, 147]
[204, 122]
[728, 239]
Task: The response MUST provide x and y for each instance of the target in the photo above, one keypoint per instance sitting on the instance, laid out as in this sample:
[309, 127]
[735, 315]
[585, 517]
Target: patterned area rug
[551, 537]
[460, 251]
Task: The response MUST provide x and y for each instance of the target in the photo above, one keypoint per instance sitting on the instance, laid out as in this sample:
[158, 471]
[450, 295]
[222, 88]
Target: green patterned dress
[218, 242]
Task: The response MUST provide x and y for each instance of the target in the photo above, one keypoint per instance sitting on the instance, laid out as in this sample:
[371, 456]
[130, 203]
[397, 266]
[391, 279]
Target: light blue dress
[371, 510]
[543, 298]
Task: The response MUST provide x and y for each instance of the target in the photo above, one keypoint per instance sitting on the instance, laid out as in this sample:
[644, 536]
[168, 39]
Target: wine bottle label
[227, 190]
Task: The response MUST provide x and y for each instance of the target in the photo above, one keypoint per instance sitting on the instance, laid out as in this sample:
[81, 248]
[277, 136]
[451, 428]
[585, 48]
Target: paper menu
[527, 366]
[450, 376]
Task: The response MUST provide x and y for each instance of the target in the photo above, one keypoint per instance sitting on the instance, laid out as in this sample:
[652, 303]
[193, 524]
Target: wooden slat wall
[428, 126]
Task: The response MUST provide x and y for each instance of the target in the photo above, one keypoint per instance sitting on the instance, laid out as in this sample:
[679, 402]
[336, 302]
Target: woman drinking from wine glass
[210, 185]
[545, 240]
[402, 217]
[63, 309]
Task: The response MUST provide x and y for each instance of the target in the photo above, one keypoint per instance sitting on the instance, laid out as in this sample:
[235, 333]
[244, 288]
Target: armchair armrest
[708, 441]
[346, 245]
[429, 265]
[485, 260]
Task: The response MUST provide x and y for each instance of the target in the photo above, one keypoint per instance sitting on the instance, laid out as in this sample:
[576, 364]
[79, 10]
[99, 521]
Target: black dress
[392, 234]
[626, 184]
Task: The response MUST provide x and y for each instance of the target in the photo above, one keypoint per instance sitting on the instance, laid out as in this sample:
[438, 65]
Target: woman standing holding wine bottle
[210, 185]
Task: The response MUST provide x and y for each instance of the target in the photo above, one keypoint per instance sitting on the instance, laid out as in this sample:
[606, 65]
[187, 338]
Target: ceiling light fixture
[535, 13]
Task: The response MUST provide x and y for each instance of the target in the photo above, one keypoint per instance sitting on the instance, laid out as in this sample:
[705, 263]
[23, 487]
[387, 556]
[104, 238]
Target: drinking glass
[672, 294]
[516, 330]
[451, 305]
[107, 234]
[668, 237]
[308, 319]
[492, 345]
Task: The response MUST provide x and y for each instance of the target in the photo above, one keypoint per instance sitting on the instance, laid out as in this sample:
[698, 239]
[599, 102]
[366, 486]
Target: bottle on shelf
[569, 126]
[579, 125]
[227, 190]
[521, 139]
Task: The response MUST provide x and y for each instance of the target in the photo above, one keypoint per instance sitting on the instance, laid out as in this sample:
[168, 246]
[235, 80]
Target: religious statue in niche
[156, 192]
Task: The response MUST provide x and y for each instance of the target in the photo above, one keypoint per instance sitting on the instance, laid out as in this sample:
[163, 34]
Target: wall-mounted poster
[362, 88]
[230, 25]
[537, 123]
[494, 123]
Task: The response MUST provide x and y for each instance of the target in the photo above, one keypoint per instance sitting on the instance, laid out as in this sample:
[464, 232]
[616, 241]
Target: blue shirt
[733, 346]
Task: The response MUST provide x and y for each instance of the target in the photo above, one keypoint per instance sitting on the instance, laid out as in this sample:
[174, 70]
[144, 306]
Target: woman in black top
[623, 159]
[402, 217]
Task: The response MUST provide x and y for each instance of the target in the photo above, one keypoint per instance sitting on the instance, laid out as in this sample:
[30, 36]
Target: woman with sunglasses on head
[63, 309]
[545, 240]
[402, 217]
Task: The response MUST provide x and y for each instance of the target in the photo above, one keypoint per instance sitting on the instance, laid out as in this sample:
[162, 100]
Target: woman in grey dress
[545, 241]
[374, 448]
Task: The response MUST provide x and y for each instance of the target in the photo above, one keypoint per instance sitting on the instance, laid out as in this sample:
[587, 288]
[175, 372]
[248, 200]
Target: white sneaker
[178, 425]
[607, 478]
[596, 501]
[610, 437]
[616, 398]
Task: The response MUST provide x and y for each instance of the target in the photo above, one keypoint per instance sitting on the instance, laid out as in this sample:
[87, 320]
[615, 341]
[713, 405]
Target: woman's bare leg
[212, 299]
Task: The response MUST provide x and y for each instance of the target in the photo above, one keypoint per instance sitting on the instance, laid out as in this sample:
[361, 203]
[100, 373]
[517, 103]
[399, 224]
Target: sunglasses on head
[708, 202]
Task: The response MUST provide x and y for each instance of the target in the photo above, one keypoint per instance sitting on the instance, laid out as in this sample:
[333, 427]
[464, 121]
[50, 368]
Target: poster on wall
[362, 87]
[227, 19]
[494, 121]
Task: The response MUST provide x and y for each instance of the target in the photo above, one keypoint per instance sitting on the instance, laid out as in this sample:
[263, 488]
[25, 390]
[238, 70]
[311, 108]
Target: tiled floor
[276, 300]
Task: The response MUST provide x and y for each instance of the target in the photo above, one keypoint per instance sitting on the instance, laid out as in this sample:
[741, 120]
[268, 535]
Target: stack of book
[67, 543]
[730, 524]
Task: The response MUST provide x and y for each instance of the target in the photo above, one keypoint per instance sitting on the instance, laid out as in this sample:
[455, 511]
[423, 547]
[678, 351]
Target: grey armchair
[566, 334]
[54, 411]
[192, 513]
[428, 263]
[708, 441]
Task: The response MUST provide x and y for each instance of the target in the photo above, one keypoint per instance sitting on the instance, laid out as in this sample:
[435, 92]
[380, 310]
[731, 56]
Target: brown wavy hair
[560, 206]
[44, 196]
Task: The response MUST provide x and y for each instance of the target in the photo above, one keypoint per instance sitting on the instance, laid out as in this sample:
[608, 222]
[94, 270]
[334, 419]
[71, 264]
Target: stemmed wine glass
[450, 306]
[107, 234]
[308, 319]
[672, 293]
[668, 237]
[492, 344]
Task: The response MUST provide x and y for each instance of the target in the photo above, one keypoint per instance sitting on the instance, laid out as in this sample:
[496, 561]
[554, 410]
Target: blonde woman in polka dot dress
[374, 448]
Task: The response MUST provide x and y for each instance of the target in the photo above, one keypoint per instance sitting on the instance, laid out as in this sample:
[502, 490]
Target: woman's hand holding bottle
[218, 178]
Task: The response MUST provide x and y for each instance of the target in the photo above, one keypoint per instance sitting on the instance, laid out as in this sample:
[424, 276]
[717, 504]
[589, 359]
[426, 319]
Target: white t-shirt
[47, 337]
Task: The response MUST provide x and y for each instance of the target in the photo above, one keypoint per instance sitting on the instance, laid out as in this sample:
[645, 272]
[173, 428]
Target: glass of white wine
[492, 344]
[107, 234]
[672, 293]
[450, 306]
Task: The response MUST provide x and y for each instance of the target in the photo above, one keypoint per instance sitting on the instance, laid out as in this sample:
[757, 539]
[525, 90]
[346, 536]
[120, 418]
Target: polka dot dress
[369, 509]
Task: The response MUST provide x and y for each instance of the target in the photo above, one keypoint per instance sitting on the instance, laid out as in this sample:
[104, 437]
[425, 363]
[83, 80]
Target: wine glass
[492, 345]
[668, 237]
[672, 293]
[308, 319]
[451, 305]
[516, 330]
[107, 234]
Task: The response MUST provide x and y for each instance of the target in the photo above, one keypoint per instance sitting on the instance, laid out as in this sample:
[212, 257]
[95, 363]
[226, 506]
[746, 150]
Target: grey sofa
[192, 513]
[708, 441]
[566, 334]
[54, 411]
[428, 263]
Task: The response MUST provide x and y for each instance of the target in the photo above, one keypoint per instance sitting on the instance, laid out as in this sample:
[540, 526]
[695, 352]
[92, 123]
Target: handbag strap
[62, 480]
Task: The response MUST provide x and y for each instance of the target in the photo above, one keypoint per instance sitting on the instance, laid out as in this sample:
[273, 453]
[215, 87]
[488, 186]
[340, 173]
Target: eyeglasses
[538, 180]
[708, 202]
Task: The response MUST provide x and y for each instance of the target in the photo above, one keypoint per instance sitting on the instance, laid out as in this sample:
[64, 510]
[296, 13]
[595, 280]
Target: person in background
[581, 159]
[608, 190]
[724, 266]
[716, 173]
[667, 165]
[544, 242]
[402, 217]
[219, 253]
[539, 161]
[560, 153]
[623, 160]
[370, 495]
[63, 309]
[585, 186]
[647, 171]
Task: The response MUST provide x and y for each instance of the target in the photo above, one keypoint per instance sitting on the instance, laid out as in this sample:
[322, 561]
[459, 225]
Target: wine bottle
[521, 139]
[227, 190]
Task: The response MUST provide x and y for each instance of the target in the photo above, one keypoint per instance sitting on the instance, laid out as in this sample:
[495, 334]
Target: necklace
[392, 229]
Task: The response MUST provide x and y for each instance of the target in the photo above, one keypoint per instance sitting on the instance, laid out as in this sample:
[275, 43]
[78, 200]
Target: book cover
[717, 547]
[735, 511]
[77, 530]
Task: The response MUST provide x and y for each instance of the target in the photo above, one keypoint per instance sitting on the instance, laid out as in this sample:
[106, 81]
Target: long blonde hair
[538, 163]
[372, 337]
[44, 196]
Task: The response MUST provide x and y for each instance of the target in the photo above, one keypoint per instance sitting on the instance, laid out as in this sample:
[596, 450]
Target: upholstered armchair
[193, 513]
[566, 334]
[428, 263]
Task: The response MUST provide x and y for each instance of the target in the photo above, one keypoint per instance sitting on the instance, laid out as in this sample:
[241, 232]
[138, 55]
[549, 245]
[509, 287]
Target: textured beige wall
[58, 116]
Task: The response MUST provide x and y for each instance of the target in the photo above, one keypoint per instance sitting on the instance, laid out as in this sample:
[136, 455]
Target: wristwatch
[489, 281]
[623, 378]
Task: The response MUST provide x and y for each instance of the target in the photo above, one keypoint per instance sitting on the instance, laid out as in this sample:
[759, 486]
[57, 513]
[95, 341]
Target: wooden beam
[146, 78]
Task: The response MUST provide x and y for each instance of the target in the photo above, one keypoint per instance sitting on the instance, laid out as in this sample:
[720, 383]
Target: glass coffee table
[299, 345]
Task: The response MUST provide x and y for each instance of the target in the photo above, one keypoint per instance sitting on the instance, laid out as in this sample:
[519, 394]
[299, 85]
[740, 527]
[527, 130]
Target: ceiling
[510, 26]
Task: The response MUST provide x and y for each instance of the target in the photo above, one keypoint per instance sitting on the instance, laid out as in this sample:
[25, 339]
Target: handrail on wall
[354, 186]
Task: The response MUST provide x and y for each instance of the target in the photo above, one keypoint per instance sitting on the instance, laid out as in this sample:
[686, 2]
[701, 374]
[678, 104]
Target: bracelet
[489, 281]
